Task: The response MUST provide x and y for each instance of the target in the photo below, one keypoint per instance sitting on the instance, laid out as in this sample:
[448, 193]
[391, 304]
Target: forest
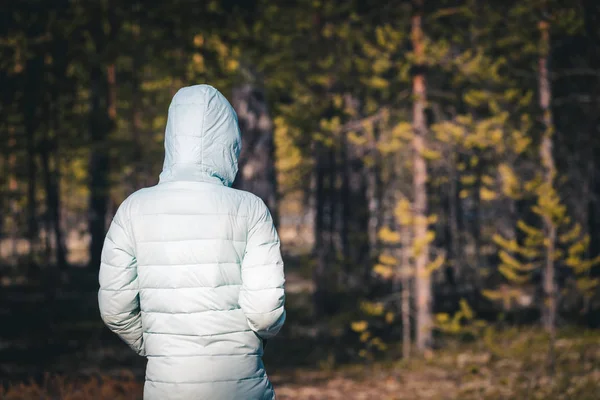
[433, 167]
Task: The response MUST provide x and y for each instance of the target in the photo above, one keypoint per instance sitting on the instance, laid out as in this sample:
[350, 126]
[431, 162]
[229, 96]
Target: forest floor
[462, 373]
[60, 350]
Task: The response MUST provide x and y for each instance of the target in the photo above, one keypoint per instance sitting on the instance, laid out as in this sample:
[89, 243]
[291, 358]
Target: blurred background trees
[415, 153]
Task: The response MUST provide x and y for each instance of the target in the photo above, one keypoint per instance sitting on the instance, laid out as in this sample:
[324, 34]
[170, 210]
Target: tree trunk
[453, 204]
[344, 208]
[406, 273]
[477, 235]
[354, 217]
[136, 180]
[422, 277]
[100, 126]
[31, 119]
[51, 183]
[547, 158]
[320, 233]
[591, 14]
[257, 159]
[13, 192]
[373, 194]
[52, 179]
[374, 201]
[102, 121]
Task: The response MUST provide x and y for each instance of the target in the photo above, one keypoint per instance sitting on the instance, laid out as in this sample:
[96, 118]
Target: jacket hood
[202, 137]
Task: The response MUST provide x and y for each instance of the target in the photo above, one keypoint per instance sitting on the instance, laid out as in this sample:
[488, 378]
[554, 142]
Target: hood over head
[202, 138]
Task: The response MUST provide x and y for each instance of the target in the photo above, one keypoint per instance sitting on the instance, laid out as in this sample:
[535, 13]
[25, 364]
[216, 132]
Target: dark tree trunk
[101, 119]
[257, 159]
[320, 234]
[357, 216]
[137, 180]
[31, 119]
[592, 20]
[13, 191]
[455, 241]
[345, 209]
[51, 181]
[477, 237]
[99, 128]
[52, 175]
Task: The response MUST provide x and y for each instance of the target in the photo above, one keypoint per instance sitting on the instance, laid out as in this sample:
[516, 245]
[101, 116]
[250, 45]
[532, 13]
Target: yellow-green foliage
[462, 322]
[371, 343]
[518, 261]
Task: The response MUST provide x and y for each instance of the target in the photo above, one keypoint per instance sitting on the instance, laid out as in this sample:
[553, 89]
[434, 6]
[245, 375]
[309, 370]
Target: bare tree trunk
[102, 121]
[320, 246]
[406, 273]
[138, 176]
[547, 158]
[136, 127]
[374, 204]
[422, 277]
[257, 159]
[591, 14]
[374, 198]
[354, 217]
[477, 236]
[344, 208]
[52, 182]
[31, 119]
[13, 190]
[453, 205]
[52, 179]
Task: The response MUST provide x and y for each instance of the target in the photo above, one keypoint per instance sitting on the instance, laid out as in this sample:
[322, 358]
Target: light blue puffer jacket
[191, 274]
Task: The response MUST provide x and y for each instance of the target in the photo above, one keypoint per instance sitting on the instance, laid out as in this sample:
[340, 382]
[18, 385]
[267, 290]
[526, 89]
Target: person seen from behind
[191, 274]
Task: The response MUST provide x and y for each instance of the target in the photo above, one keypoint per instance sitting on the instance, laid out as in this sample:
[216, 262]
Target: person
[191, 273]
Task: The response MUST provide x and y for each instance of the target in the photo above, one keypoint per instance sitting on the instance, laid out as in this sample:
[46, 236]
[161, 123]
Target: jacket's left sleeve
[118, 297]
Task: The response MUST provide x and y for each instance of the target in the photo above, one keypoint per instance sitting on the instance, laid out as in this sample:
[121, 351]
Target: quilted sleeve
[262, 294]
[118, 297]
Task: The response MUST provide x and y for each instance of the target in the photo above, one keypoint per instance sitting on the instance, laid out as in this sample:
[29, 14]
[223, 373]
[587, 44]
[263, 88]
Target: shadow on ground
[58, 330]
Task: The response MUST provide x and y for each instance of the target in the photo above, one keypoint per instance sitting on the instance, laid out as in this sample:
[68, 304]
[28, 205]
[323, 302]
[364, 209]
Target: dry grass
[60, 388]
[508, 366]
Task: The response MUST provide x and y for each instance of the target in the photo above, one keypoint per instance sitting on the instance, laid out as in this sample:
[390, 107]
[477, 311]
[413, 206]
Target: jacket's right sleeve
[262, 294]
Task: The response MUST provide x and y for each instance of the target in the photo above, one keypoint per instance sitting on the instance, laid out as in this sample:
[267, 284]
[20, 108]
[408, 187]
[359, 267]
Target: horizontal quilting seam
[191, 214]
[194, 335]
[108, 239]
[269, 243]
[189, 240]
[263, 312]
[205, 355]
[194, 136]
[209, 382]
[118, 224]
[119, 290]
[191, 287]
[233, 285]
[188, 103]
[189, 312]
[186, 191]
[276, 264]
[262, 289]
[134, 312]
[105, 264]
[237, 285]
[268, 222]
[191, 264]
